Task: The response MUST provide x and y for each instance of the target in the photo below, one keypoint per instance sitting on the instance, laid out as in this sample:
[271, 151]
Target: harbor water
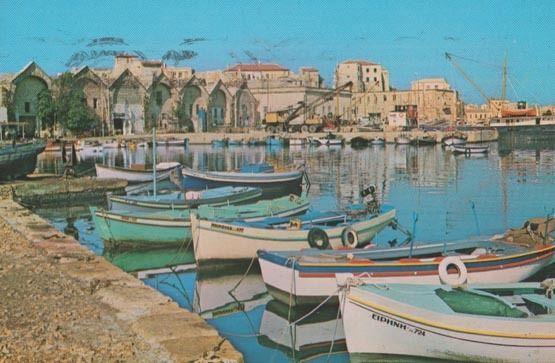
[438, 196]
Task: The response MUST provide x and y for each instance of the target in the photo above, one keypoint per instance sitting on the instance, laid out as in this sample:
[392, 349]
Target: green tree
[80, 117]
[64, 88]
[46, 109]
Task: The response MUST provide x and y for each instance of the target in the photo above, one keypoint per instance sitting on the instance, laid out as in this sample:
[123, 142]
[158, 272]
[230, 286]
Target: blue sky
[408, 37]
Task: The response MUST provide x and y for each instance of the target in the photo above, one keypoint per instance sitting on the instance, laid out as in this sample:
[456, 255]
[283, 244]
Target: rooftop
[256, 67]
[360, 61]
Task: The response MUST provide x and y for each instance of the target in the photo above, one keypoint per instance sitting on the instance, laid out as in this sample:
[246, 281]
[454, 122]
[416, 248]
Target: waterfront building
[366, 76]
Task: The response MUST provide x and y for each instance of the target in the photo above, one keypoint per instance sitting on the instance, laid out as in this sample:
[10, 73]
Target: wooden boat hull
[134, 176]
[470, 149]
[141, 230]
[314, 281]
[18, 162]
[272, 184]
[228, 196]
[376, 323]
[219, 241]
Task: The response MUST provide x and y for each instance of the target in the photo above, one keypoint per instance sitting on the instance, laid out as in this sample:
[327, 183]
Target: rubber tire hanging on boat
[453, 280]
[318, 238]
[349, 242]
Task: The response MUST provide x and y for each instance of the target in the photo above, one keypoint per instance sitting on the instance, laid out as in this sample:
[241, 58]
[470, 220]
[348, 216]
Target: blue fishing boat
[233, 142]
[219, 143]
[274, 140]
[272, 183]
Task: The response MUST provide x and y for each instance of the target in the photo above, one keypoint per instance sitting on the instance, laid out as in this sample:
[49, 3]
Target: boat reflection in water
[310, 335]
[150, 261]
[219, 294]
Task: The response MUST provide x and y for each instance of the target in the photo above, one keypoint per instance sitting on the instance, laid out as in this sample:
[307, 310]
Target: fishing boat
[184, 201]
[256, 142]
[175, 142]
[470, 149]
[402, 140]
[236, 240]
[173, 226]
[453, 139]
[328, 140]
[312, 336]
[493, 323]
[234, 142]
[272, 183]
[112, 144]
[378, 141]
[273, 140]
[423, 140]
[219, 143]
[280, 207]
[19, 159]
[137, 173]
[132, 228]
[359, 142]
[309, 276]
[89, 148]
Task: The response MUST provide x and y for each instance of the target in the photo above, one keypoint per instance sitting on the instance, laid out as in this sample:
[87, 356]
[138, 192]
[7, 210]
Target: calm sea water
[437, 195]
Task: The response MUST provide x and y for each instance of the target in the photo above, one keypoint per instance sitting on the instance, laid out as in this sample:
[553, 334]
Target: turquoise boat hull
[142, 229]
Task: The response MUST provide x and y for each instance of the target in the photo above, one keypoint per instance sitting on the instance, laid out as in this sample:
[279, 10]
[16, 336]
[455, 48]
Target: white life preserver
[453, 280]
[349, 238]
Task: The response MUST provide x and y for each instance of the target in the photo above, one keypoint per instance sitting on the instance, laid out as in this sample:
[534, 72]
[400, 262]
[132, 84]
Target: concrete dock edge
[180, 336]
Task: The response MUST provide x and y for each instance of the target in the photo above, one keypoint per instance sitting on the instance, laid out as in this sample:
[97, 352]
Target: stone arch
[25, 100]
[127, 104]
[246, 109]
[194, 105]
[160, 106]
[217, 108]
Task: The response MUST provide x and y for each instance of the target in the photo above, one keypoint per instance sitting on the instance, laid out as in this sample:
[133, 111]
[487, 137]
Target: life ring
[318, 238]
[454, 280]
[293, 198]
[349, 238]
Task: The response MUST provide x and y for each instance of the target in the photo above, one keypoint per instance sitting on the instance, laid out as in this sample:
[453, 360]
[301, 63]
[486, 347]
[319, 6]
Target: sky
[409, 38]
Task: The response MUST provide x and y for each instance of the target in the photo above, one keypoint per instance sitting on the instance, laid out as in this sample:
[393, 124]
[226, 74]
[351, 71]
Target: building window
[375, 79]
[27, 107]
[367, 70]
[265, 109]
[95, 103]
[222, 113]
[384, 97]
[367, 79]
[375, 70]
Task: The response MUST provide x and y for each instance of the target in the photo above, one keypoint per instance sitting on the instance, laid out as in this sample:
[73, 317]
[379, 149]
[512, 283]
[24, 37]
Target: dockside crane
[288, 119]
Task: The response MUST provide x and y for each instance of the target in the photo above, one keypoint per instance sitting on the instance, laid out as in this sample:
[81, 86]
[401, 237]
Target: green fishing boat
[173, 227]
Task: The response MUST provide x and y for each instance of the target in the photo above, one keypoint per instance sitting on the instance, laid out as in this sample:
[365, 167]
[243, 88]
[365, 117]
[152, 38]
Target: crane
[451, 58]
[282, 119]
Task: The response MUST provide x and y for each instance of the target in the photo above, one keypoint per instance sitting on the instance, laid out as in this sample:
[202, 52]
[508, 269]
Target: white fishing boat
[175, 142]
[328, 140]
[378, 141]
[113, 144]
[136, 173]
[218, 240]
[402, 140]
[489, 323]
[310, 276]
[470, 149]
[452, 140]
[297, 141]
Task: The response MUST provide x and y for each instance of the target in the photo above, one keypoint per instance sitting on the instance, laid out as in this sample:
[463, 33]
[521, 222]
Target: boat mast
[504, 79]
[154, 160]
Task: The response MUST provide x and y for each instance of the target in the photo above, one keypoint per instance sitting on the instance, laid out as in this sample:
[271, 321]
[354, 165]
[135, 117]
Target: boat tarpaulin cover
[467, 302]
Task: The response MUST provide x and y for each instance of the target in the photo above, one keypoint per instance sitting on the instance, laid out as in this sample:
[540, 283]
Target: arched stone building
[161, 104]
[26, 86]
[219, 107]
[245, 108]
[194, 105]
[127, 97]
[96, 93]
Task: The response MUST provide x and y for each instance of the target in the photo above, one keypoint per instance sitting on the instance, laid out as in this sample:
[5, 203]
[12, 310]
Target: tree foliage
[46, 108]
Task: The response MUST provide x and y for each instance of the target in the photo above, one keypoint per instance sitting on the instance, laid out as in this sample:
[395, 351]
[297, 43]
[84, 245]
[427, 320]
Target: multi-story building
[366, 76]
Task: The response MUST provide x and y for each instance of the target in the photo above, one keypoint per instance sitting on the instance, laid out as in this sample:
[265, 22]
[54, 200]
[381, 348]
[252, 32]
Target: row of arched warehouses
[131, 104]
